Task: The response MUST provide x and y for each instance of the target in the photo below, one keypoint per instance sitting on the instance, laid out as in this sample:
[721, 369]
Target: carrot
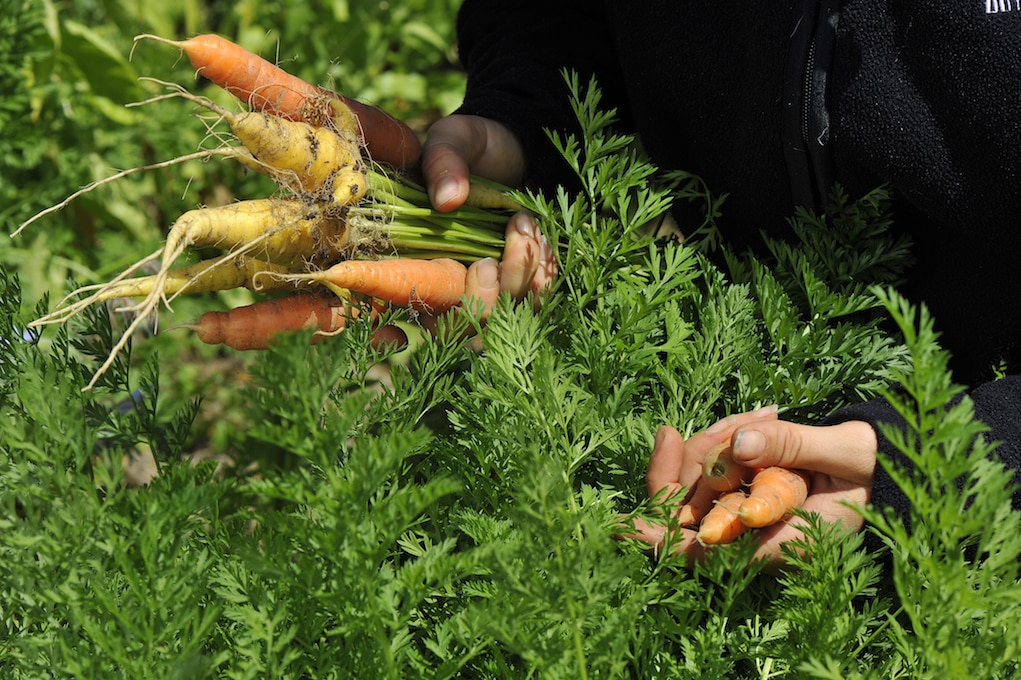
[306, 159]
[207, 276]
[255, 326]
[699, 501]
[284, 231]
[720, 471]
[722, 524]
[775, 492]
[268, 88]
[424, 285]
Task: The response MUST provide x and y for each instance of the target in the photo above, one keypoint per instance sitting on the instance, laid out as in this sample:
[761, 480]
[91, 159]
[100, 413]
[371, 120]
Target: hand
[457, 147]
[840, 460]
[528, 267]
[460, 146]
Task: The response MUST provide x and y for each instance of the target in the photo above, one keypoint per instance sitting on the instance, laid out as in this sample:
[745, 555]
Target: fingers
[388, 337]
[833, 505]
[675, 463]
[666, 463]
[845, 451]
[457, 147]
[841, 456]
[483, 284]
[527, 268]
[521, 255]
[655, 535]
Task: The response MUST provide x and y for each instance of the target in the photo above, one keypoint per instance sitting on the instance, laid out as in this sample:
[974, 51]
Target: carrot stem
[434, 245]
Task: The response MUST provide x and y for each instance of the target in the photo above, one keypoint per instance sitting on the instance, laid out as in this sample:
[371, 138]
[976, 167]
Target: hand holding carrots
[459, 147]
[350, 222]
[835, 464]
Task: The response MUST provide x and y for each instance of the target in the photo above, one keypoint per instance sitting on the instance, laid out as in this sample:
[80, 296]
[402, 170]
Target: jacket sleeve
[997, 404]
[515, 52]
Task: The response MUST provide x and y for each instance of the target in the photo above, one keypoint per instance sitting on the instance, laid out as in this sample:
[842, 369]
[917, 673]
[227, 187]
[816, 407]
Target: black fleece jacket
[773, 102]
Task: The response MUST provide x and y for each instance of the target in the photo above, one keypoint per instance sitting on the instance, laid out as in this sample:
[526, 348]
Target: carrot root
[432, 286]
[722, 524]
[256, 325]
[721, 472]
[775, 493]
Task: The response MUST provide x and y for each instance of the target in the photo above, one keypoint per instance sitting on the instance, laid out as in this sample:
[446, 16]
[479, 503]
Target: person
[773, 104]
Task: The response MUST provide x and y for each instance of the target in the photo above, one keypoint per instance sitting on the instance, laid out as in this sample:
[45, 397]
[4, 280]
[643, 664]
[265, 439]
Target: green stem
[420, 229]
[460, 251]
[400, 209]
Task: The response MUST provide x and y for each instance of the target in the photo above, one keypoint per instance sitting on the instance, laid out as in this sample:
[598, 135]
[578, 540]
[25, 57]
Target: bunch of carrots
[347, 227]
[772, 494]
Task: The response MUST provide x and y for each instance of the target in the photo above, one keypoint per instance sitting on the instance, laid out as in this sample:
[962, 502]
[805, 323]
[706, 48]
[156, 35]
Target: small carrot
[425, 285]
[720, 471]
[774, 493]
[266, 87]
[699, 502]
[722, 524]
[255, 326]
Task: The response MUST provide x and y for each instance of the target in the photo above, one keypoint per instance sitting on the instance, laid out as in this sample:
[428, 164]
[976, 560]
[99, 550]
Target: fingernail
[748, 444]
[545, 248]
[766, 411]
[660, 434]
[524, 224]
[488, 273]
[446, 190]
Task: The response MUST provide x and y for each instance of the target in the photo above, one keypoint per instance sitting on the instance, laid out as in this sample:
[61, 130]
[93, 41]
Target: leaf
[105, 69]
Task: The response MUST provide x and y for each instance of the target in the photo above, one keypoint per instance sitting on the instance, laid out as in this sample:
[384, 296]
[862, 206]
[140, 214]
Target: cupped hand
[840, 460]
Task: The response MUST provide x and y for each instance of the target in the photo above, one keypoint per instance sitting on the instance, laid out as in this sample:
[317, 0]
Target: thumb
[460, 145]
[483, 284]
[450, 148]
[846, 450]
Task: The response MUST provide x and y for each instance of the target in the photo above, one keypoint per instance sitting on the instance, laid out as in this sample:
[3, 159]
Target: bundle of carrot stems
[348, 226]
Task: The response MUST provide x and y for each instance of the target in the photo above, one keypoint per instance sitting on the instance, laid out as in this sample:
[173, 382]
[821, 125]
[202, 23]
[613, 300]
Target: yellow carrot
[280, 230]
[207, 276]
[316, 162]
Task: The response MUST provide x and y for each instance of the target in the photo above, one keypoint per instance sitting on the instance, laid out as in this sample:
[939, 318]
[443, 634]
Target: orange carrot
[254, 326]
[424, 285]
[720, 471]
[696, 505]
[774, 493]
[268, 88]
[722, 524]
